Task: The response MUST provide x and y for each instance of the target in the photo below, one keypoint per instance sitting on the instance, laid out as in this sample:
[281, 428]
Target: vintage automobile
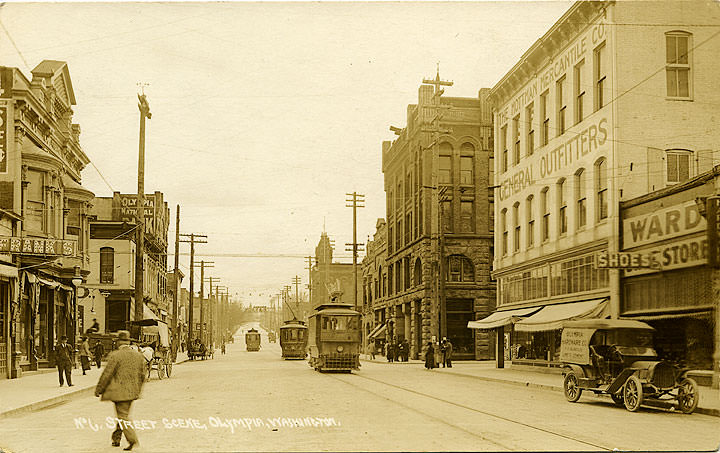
[616, 357]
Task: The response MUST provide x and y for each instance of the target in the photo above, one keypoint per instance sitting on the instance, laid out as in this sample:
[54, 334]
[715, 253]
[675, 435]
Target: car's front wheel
[572, 387]
[633, 393]
[688, 396]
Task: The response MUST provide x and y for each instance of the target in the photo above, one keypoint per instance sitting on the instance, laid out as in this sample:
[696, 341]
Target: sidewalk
[485, 370]
[41, 389]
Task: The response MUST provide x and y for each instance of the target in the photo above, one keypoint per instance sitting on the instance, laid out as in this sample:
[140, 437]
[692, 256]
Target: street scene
[252, 401]
[384, 226]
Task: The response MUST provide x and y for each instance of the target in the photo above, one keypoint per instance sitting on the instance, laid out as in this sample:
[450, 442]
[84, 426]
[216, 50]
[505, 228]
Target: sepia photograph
[344, 226]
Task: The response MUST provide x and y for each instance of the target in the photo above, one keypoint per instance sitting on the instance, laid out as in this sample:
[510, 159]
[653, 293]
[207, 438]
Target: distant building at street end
[436, 275]
[374, 279]
[44, 234]
[326, 274]
[616, 100]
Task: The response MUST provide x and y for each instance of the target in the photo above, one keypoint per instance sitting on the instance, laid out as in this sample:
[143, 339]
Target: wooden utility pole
[357, 201]
[144, 108]
[203, 265]
[436, 108]
[309, 286]
[296, 281]
[194, 238]
[176, 289]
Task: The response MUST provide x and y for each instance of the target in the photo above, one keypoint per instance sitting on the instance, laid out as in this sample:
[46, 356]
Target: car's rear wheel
[633, 393]
[618, 399]
[572, 387]
[688, 396]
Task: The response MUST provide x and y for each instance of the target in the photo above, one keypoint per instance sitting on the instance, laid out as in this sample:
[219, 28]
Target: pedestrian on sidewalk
[430, 356]
[63, 360]
[371, 346]
[85, 355]
[443, 345]
[98, 351]
[223, 348]
[121, 383]
[448, 353]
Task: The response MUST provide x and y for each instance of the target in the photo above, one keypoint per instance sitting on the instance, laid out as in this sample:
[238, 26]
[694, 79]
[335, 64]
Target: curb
[39, 405]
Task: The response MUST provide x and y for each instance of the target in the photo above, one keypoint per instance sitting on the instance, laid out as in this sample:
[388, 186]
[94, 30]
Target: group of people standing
[395, 351]
[445, 349]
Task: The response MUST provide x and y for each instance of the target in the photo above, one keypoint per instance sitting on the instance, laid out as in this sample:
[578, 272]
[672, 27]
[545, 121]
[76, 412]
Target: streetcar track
[489, 414]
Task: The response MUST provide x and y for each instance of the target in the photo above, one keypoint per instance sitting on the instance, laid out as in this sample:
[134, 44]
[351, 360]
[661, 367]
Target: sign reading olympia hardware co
[34, 246]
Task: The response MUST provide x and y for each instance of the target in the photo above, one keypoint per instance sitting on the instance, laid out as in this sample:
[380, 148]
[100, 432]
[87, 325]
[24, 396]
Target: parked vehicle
[616, 357]
[293, 339]
[252, 340]
[334, 338]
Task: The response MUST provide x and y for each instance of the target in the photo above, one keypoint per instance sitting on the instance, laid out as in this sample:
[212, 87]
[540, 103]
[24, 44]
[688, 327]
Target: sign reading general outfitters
[35, 246]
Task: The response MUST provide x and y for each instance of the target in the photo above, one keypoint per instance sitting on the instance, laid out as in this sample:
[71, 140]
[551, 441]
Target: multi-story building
[439, 171]
[616, 100]
[374, 281]
[112, 253]
[41, 195]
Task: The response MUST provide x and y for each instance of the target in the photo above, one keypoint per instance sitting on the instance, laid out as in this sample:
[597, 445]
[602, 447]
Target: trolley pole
[144, 108]
[194, 238]
[176, 289]
[203, 265]
[356, 200]
[296, 281]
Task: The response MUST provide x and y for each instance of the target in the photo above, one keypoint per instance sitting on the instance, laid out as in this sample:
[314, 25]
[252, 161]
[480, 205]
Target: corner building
[616, 100]
[408, 284]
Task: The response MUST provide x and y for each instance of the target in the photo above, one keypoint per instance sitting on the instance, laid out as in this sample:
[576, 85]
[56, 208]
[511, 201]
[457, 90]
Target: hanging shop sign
[36, 246]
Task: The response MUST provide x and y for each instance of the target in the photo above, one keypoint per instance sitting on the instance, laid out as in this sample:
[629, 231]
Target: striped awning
[502, 318]
[551, 317]
[379, 330]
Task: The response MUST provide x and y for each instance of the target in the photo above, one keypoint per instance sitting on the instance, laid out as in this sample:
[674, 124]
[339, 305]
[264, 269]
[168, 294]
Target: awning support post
[500, 348]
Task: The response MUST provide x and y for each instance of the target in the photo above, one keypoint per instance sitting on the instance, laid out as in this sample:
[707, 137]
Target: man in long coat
[63, 360]
[121, 383]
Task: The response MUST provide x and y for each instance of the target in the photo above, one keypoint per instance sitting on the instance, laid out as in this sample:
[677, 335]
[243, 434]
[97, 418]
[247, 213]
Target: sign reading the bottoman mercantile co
[36, 246]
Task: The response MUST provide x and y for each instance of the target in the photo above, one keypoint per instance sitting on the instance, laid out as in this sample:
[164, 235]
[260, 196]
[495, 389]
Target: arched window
[562, 206]
[503, 228]
[417, 273]
[516, 227]
[530, 221]
[460, 269]
[545, 206]
[107, 265]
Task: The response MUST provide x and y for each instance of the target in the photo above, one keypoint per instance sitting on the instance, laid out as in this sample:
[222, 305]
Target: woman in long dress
[85, 354]
[430, 356]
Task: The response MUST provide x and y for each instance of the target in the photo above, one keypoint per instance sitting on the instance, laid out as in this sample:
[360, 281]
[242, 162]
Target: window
[601, 189]
[516, 140]
[408, 227]
[390, 204]
[460, 269]
[503, 228]
[390, 239]
[390, 287]
[516, 228]
[678, 166]
[562, 206]
[399, 195]
[545, 130]
[107, 265]
[466, 170]
[35, 213]
[503, 147]
[546, 214]
[446, 215]
[466, 217]
[677, 69]
[579, 92]
[445, 170]
[601, 66]
[561, 105]
[530, 221]
[398, 234]
[581, 198]
[530, 118]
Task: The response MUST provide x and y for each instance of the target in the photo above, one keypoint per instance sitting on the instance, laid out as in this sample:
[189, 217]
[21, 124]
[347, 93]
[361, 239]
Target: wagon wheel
[572, 387]
[688, 396]
[618, 399]
[633, 393]
[160, 368]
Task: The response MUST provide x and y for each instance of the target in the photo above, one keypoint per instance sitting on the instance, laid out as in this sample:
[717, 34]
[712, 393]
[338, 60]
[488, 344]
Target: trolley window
[339, 323]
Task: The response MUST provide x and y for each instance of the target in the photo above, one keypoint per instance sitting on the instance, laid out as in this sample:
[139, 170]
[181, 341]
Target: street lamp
[76, 281]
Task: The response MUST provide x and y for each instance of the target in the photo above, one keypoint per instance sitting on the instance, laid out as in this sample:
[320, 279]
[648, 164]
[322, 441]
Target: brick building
[326, 273]
[456, 160]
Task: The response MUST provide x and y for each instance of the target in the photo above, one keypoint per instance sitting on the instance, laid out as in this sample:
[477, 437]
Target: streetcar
[293, 339]
[334, 338]
[252, 340]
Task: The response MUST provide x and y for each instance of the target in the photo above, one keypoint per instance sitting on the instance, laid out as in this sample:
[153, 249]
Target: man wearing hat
[121, 383]
[63, 360]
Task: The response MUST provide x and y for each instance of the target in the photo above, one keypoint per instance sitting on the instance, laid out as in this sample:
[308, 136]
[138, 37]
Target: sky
[264, 115]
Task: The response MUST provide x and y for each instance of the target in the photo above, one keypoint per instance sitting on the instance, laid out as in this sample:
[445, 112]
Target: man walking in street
[63, 360]
[121, 383]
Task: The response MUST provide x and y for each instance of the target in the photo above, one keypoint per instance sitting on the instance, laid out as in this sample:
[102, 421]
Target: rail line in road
[469, 408]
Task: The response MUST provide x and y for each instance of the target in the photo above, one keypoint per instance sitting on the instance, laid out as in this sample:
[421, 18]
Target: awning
[700, 313]
[551, 317]
[148, 314]
[502, 318]
[53, 284]
[8, 271]
[379, 330]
